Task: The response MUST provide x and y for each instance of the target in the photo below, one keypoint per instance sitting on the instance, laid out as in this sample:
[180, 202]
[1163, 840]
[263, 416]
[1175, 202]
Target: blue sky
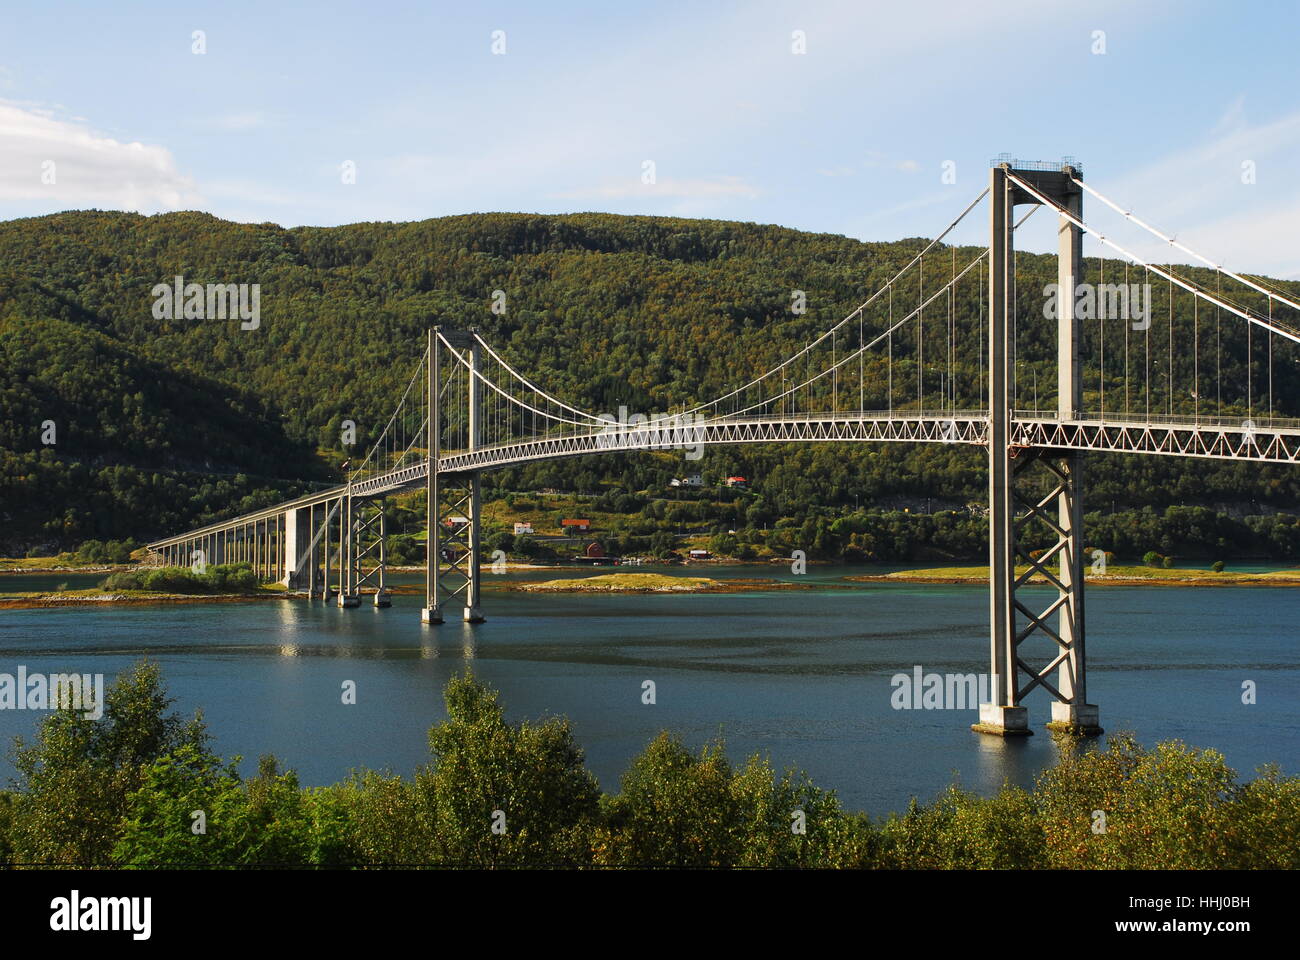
[850, 137]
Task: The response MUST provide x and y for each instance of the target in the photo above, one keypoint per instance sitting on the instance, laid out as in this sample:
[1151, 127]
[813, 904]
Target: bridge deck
[1262, 440]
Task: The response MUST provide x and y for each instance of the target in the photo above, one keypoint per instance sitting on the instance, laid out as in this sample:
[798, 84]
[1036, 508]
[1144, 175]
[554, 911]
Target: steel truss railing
[1262, 441]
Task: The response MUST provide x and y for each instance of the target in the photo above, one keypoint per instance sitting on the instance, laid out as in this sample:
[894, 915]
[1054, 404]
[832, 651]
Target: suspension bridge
[1160, 391]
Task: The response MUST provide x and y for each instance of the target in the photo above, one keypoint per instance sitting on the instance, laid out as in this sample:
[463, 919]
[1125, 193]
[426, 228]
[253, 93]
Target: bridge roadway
[1262, 440]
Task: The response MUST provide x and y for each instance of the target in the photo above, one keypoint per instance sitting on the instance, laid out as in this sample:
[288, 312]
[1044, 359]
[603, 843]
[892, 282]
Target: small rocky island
[652, 583]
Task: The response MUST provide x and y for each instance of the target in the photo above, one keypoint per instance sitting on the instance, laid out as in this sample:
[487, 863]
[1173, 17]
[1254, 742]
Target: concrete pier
[1003, 721]
[298, 567]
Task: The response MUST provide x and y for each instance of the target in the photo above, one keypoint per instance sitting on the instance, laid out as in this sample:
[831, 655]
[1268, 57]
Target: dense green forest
[166, 424]
[126, 791]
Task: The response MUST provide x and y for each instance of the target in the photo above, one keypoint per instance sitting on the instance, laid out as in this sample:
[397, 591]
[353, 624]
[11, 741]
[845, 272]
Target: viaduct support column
[297, 569]
[313, 575]
[326, 591]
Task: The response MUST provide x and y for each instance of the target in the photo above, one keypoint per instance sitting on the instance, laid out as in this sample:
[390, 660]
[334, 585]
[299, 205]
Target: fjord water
[801, 676]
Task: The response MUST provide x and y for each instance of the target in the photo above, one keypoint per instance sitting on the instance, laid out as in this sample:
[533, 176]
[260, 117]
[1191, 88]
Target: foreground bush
[126, 790]
[75, 779]
[1170, 808]
[961, 831]
[684, 810]
[261, 822]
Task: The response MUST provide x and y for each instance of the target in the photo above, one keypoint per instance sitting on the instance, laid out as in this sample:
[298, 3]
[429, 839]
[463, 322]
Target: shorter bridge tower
[454, 547]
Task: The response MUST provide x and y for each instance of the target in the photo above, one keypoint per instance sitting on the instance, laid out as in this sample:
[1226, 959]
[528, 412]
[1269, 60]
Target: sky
[830, 117]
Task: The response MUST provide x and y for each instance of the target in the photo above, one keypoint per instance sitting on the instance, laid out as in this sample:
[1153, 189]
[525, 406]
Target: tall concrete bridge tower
[1012, 465]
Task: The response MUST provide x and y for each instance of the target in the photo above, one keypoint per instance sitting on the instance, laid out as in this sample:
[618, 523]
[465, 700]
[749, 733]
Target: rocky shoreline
[92, 600]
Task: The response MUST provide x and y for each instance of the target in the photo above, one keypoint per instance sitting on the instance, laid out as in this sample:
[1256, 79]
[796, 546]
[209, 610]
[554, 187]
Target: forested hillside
[163, 424]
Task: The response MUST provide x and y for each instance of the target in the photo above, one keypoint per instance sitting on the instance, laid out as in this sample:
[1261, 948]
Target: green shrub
[962, 831]
[1258, 830]
[174, 580]
[387, 822]
[122, 791]
[334, 813]
[723, 545]
[124, 580]
[229, 578]
[219, 578]
[264, 821]
[119, 551]
[75, 777]
[680, 809]
[501, 793]
[674, 809]
[1164, 808]
[92, 551]
[771, 808]
[7, 801]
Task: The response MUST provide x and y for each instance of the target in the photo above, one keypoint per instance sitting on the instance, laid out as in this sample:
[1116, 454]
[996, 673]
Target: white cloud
[89, 170]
